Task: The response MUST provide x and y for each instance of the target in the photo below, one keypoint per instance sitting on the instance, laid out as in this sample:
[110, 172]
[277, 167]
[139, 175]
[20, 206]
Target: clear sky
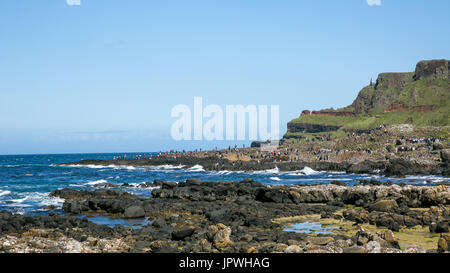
[104, 75]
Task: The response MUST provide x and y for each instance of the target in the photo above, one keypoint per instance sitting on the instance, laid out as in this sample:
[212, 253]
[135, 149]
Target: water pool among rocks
[112, 222]
[309, 227]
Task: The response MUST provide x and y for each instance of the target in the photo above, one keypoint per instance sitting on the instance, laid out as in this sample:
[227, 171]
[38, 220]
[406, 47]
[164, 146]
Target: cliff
[420, 98]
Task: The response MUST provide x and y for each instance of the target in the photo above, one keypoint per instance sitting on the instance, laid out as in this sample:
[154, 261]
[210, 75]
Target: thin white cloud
[73, 2]
[374, 2]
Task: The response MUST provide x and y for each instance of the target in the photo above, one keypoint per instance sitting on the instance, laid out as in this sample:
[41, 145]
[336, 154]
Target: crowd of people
[354, 145]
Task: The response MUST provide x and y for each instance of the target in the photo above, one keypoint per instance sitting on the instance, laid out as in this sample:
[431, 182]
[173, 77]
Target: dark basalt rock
[440, 227]
[180, 233]
[134, 212]
[402, 167]
[297, 127]
[184, 215]
[435, 69]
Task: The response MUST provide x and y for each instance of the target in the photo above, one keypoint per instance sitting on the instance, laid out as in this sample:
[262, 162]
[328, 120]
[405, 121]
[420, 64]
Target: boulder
[389, 237]
[442, 245]
[180, 233]
[219, 235]
[444, 242]
[363, 236]
[373, 247]
[445, 155]
[293, 249]
[438, 146]
[354, 249]
[319, 240]
[442, 227]
[384, 205]
[134, 212]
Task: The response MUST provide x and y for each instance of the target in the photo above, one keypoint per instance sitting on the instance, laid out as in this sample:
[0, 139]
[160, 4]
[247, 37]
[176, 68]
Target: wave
[226, 172]
[308, 171]
[196, 168]
[168, 167]
[80, 166]
[275, 178]
[432, 178]
[140, 186]
[21, 200]
[2, 193]
[91, 166]
[274, 170]
[52, 201]
[92, 183]
[305, 171]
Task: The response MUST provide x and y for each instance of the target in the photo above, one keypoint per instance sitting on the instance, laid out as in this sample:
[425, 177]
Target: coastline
[390, 166]
[220, 217]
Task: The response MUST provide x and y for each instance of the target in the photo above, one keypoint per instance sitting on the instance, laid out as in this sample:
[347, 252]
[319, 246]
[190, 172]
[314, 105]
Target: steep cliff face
[393, 80]
[420, 98]
[296, 127]
[383, 93]
[391, 88]
[436, 69]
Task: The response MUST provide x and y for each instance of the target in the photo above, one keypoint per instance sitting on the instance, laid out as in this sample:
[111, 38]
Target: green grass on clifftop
[431, 93]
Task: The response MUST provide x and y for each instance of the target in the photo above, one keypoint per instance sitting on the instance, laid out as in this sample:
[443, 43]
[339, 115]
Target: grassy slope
[419, 93]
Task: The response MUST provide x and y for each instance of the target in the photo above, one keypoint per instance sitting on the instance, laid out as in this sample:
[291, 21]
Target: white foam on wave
[20, 200]
[138, 186]
[305, 171]
[92, 183]
[52, 201]
[431, 178]
[82, 166]
[274, 170]
[2, 193]
[326, 179]
[168, 167]
[275, 178]
[308, 171]
[91, 166]
[226, 172]
[196, 168]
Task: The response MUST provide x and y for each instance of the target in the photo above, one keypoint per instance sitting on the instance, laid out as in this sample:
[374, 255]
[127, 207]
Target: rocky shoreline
[390, 166]
[240, 217]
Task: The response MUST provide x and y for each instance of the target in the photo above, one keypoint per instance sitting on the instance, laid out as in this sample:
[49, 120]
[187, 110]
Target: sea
[27, 180]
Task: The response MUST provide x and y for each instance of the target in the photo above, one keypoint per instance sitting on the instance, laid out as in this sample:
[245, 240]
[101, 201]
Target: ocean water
[27, 180]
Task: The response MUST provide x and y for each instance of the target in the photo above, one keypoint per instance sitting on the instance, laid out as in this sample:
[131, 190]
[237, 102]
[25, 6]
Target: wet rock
[338, 183]
[134, 212]
[180, 233]
[442, 227]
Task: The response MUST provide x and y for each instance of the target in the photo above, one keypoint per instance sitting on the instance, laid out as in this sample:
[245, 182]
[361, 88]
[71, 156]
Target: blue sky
[103, 76]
